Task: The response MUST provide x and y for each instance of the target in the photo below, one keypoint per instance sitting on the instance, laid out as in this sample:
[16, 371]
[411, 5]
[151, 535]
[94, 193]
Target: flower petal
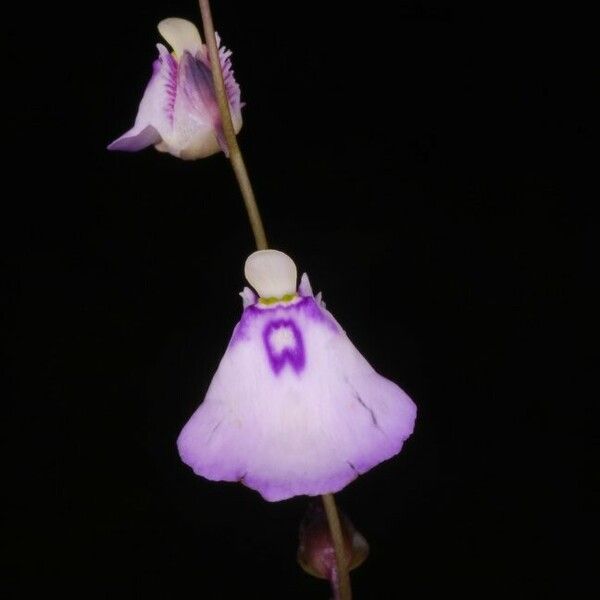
[248, 297]
[294, 408]
[319, 300]
[135, 140]
[202, 130]
[154, 119]
[305, 289]
[197, 125]
[271, 273]
[231, 86]
[181, 35]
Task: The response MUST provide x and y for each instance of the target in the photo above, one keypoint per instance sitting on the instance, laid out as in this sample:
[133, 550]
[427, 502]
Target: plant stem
[239, 168]
[333, 518]
[235, 154]
[335, 584]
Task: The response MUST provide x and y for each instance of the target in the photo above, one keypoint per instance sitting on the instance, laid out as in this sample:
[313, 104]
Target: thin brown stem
[342, 583]
[235, 154]
[335, 584]
[333, 518]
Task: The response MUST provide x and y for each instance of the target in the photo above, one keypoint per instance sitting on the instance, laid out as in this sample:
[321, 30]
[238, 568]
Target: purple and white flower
[294, 408]
[178, 113]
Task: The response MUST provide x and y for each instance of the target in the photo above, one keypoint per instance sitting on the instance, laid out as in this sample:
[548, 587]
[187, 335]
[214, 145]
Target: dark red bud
[316, 553]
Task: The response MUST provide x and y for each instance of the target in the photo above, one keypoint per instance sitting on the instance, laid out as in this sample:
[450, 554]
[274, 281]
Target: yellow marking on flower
[273, 300]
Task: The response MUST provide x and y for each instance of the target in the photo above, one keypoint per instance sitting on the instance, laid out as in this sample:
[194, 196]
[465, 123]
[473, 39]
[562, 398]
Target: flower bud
[316, 552]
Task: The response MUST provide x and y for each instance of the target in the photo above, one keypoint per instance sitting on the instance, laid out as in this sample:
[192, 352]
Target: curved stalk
[235, 154]
[343, 589]
[342, 583]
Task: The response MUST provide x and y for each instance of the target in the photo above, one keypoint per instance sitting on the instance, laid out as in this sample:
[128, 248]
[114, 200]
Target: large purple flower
[293, 408]
[178, 113]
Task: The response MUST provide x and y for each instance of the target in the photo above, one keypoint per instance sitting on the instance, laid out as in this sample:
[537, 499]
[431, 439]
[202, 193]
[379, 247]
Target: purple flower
[293, 408]
[178, 113]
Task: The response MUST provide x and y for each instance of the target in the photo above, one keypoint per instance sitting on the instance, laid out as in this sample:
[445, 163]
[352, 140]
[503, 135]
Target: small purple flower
[178, 113]
[294, 408]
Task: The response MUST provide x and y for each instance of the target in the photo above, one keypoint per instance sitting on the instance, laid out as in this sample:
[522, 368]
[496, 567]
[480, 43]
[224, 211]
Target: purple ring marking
[292, 353]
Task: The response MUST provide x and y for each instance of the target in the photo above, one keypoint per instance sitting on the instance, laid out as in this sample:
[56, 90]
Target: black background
[421, 162]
